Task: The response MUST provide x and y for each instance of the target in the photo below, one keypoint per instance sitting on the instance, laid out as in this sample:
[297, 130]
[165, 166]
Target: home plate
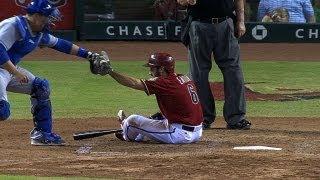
[254, 148]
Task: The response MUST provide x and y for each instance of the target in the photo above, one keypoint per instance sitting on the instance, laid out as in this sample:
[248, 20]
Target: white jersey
[18, 40]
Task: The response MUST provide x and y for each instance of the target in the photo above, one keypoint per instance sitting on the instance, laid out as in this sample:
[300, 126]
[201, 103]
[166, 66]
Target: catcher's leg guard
[42, 115]
[41, 105]
[4, 110]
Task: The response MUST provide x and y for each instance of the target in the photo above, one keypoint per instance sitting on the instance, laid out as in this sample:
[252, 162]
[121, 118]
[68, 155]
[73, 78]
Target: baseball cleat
[40, 138]
[121, 115]
[242, 125]
[206, 125]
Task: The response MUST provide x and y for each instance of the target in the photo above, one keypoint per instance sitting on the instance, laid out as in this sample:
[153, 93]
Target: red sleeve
[155, 86]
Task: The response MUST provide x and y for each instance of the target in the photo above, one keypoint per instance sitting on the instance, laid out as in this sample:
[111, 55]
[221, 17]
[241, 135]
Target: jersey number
[193, 94]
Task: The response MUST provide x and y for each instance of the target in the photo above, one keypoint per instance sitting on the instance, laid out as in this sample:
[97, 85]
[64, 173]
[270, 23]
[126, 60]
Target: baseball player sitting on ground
[180, 120]
[19, 35]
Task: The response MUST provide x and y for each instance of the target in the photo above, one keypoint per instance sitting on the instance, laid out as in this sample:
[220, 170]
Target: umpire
[214, 27]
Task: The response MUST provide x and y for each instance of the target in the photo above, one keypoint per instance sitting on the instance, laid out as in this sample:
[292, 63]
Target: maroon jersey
[177, 98]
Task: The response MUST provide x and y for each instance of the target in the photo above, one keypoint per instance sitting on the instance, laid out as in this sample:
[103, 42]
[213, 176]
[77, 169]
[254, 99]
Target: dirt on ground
[139, 50]
[211, 158]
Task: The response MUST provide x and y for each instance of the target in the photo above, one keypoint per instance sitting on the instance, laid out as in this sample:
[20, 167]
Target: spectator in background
[300, 11]
[277, 15]
[165, 9]
[247, 12]
[316, 8]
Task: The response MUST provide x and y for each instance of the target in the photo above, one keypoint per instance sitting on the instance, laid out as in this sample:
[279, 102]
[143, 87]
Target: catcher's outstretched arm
[70, 48]
[127, 81]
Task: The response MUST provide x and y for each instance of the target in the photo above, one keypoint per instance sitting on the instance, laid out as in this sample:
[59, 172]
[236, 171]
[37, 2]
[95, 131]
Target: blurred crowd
[294, 11]
[280, 11]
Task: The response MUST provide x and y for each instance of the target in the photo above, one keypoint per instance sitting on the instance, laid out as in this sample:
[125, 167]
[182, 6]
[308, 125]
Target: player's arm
[8, 65]
[240, 26]
[8, 35]
[127, 81]
[72, 49]
[64, 46]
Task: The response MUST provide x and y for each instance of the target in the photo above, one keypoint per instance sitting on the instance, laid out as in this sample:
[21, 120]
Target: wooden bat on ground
[96, 133]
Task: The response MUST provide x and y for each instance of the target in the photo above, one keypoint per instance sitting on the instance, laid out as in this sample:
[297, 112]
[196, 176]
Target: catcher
[180, 120]
[20, 35]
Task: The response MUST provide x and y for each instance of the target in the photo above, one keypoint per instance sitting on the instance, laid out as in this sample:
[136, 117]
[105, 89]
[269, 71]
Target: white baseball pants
[136, 128]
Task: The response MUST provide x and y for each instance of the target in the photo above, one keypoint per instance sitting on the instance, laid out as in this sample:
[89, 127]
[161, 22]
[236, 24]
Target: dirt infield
[120, 50]
[211, 158]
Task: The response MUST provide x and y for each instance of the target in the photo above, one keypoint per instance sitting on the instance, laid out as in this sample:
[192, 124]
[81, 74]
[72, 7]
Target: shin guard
[41, 105]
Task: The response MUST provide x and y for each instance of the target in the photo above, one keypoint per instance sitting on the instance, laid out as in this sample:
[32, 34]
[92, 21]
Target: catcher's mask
[164, 60]
[45, 8]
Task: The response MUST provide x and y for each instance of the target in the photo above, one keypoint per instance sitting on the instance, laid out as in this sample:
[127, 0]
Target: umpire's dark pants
[218, 39]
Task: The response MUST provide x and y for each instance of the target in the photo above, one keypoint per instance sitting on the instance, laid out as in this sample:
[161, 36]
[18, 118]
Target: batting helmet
[161, 60]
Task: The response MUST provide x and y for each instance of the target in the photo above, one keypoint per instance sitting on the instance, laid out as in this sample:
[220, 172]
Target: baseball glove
[93, 59]
[105, 65]
[99, 63]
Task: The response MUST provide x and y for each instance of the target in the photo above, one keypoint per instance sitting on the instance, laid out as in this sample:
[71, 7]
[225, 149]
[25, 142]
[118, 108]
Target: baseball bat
[95, 133]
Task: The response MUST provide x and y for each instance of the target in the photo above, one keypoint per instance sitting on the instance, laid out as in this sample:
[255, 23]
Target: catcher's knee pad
[4, 110]
[41, 105]
[40, 88]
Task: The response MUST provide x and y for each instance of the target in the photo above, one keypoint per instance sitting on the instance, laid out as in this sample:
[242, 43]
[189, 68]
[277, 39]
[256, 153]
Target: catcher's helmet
[45, 8]
[161, 60]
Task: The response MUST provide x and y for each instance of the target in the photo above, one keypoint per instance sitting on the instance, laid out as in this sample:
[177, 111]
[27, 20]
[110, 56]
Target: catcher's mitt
[105, 65]
[99, 63]
[94, 62]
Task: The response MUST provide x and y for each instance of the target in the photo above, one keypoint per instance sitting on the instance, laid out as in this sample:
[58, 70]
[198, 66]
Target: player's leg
[200, 50]
[4, 104]
[42, 114]
[227, 57]
[183, 135]
[39, 89]
[136, 126]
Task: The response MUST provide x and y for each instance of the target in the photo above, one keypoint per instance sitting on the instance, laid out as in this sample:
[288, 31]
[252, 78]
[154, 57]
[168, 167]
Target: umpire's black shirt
[211, 9]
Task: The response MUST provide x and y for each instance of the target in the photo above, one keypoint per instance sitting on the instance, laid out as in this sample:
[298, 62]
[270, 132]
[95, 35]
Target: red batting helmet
[161, 60]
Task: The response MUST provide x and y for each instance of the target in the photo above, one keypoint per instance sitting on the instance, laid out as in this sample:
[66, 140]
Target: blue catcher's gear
[45, 8]
[41, 105]
[40, 138]
[4, 110]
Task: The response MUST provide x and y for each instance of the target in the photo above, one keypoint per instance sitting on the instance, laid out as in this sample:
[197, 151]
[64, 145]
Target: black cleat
[206, 126]
[241, 125]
